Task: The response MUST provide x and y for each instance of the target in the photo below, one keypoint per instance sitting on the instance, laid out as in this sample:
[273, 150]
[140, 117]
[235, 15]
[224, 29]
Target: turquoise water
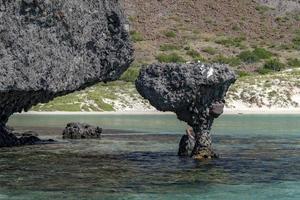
[136, 159]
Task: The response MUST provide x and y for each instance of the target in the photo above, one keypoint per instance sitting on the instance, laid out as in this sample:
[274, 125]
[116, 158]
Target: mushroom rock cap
[186, 89]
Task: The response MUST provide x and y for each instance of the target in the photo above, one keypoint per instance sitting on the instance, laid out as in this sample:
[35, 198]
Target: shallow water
[136, 159]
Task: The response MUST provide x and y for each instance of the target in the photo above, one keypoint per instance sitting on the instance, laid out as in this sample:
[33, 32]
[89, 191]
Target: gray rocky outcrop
[77, 130]
[195, 92]
[52, 48]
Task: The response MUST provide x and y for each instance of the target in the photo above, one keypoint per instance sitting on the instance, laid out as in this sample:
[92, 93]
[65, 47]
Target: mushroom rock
[195, 92]
[50, 48]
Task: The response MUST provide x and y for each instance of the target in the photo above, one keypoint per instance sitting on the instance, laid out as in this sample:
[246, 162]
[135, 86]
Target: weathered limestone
[52, 48]
[195, 92]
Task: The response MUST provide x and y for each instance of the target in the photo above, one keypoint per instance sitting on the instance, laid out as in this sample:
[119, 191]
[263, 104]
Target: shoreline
[227, 111]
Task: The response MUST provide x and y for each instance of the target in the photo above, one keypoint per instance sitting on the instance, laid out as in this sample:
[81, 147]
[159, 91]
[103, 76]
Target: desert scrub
[274, 64]
[232, 61]
[136, 36]
[170, 58]
[231, 42]
[210, 50]
[195, 55]
[170, 34]
[169, 47]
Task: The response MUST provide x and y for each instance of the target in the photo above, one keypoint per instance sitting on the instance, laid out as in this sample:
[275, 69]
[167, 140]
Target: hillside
[259, 39]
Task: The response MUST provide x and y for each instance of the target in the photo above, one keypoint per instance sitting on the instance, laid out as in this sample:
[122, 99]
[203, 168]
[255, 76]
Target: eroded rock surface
[195, 92]
[81, 131]
[51, 48]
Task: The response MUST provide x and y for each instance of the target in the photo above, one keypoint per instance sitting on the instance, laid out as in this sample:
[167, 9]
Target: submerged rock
[52, 48]
[81, 131]
[10, 138]
[195, 92]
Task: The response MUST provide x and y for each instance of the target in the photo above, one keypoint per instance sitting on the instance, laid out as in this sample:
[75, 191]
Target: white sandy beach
[227, 111]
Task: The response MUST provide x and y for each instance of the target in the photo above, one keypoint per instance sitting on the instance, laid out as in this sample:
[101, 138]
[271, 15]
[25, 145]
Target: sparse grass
[170, 34]
[131, 74]
[170, 58]
[243, 74]
[210, 50]
[230, 42]
[195, 55]
[136, 36]
[264, 71]
[169, 47]
[232, 61]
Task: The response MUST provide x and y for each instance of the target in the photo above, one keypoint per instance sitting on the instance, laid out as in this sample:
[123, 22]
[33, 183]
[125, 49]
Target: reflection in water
[144, 165]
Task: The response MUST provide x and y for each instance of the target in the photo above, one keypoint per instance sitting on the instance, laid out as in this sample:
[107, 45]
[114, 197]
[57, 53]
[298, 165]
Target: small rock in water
[81, 131]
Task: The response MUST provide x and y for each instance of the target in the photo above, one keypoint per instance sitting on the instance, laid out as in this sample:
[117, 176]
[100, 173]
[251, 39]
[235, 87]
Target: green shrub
[256, 55]
[262, 53]
[136, 36]
[274, 64]
[170, 34]
[293, 62]
[233, 61]
[210, 50]
[248, 57]
[169, 47]
[170, 58]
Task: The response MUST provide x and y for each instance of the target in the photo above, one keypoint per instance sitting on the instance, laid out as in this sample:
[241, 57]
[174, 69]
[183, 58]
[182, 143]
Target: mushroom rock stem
[195, 92]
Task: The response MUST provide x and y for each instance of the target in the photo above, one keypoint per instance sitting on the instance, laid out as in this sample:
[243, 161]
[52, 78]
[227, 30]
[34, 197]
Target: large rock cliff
[49, 48]
[195, 92]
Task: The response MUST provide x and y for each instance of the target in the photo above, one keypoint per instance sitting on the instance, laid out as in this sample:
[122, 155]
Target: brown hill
[203, 24]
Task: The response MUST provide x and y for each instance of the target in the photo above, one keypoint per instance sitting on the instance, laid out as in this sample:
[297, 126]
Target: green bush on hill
[256, 55]
[274, 64]
[248, 57]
